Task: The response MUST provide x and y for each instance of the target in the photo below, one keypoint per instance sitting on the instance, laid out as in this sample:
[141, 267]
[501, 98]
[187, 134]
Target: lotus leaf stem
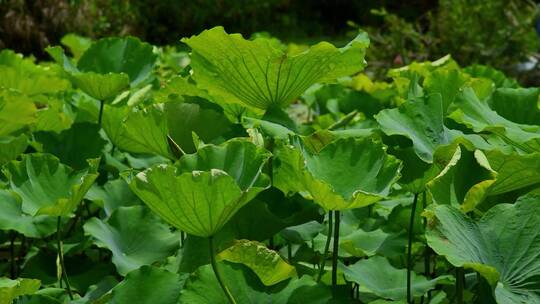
[326, 246]
[216, 271]
[335, 251]
[63, 274]
[409, 250]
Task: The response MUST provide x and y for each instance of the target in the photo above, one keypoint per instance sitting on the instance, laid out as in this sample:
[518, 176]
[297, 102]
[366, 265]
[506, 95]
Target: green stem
[335, 250]
[289, 251]
[409, 249]
[460, 284]
[100, 117]
[427, 251]
[326, 246]
[61, 257]
[216, 271]
[12, 254]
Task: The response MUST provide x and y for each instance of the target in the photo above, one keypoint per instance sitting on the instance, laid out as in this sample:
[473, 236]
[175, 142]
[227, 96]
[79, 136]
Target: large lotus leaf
[11, 147]
[101, 86]
[147, 284]
[13, 218]
[421, 120]
[476, 115]
[183, 118]
[201, 202]
[518, 105]
[502, 246]
[12, 289]
[465, 179]
[16, 112]
[142, 131]
[377, 276]
[239, 158]
[48, 187]
[202, 288]
[135, 236]
[126, 55]
[267, 264]
[513, 171]
[347, 173]
[257, 74]
[75, 145]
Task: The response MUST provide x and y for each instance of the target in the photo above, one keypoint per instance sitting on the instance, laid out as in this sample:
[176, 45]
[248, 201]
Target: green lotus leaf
[101, 86]
[344, 174]
[446, 82]
[362, 243]
[202, 288]
[421, 120]
[112, 195]
[207, 188]
[502, 246]
[13, 218]
[518, 105]
[514, 171]
[377, 276]
[135, 236]
[177, 88]
[53, 115]
[48, 187]
[498, 77]
[11, 147]
[147, 284]
[12, 289]
[31, 83]
[476, 115]
[126, 55]
[73, 146]
[256, 74]
[140, 131]
[76, 44]
[464, 181]
[16, 112]
[24, 76]
[184, 118]
[302, 233]
[267, 264]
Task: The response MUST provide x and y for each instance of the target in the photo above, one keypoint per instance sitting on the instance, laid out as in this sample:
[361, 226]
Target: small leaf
[12, 289]
[135, 236]
[375, 275]
[147, 285]
[266, 263]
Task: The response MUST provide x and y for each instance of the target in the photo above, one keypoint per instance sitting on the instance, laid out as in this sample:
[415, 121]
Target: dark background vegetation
[495, 32]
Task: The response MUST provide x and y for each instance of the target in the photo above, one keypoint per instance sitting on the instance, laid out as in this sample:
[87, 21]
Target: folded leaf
[266, 263]
[207, 189]
[48, 187]
[347, 173]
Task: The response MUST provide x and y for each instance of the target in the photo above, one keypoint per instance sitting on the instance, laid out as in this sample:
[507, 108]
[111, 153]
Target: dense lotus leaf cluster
[252, 171]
